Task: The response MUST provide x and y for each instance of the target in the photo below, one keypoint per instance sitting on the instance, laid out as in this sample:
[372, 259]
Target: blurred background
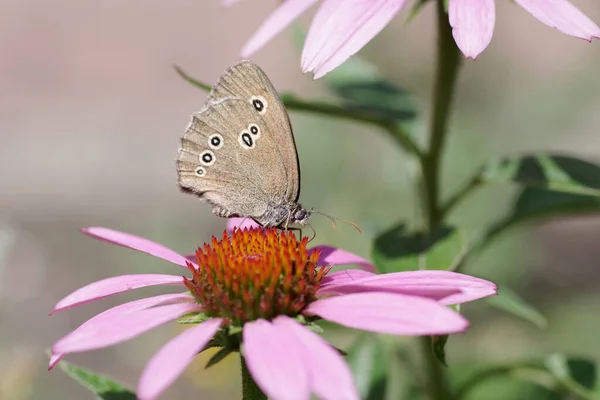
[91, 111]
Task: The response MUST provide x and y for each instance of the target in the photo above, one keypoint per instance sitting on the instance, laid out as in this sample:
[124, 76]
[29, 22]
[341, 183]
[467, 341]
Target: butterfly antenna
[333, 219]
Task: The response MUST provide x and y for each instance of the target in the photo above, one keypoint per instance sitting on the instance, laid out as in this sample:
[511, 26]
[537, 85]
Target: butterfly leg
[293, 228]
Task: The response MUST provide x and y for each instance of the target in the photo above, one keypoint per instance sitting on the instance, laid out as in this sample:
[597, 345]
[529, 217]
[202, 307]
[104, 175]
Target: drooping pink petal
[124, 322]
[341, 28]
[472, 24]
[562, 15]
[344, 277]
[328, 374]
[111, 286]
[275, 361]
[332, 257]
[241, 223]
[390, 313]
[170, 361]
[55, 359]
[275, 23]
[445, 286]
[135, 243]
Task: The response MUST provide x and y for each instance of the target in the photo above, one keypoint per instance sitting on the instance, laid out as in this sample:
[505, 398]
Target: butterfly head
[300, 215]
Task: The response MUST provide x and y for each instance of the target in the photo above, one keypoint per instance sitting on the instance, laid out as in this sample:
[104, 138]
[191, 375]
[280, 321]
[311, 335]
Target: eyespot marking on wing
[207, 158]
[200, 172]
[246, 140]
[259, 103]
[254, 130]
[215, 141]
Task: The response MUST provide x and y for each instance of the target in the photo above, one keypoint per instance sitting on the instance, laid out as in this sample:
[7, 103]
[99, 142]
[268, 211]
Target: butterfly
[238, 153]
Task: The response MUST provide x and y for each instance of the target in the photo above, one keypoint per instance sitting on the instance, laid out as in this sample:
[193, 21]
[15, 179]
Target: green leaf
[559, 376]
[553, 185]
[400, 250]
[574, 369]
[510, 302]
[193, 319]
[554, 172]
[367, 358]
[536, 204]
[361, 88]
[102, 386]
[438, 346]
[219, 356]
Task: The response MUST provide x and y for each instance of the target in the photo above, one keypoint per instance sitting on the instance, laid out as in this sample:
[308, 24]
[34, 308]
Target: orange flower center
[256, 273]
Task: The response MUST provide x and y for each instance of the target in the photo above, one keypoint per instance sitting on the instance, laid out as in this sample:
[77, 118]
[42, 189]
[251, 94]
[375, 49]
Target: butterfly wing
[234, 155]
[247, 81]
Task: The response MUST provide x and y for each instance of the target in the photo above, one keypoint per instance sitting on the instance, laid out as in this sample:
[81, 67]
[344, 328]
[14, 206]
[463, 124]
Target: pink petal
[472, 24]
[275, 361]
[124, 322]
[55, 359]
[275, 23]
[241, 223]
[391, 313]
[329, 375]
[170, 361]
[562, 15]
[344, 277]
[341, 28]
[445, 286]
[331, 257]
[111, 286]
[135, 243]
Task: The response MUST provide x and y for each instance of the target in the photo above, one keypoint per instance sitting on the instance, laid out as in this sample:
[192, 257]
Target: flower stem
[448, 62]
[436, 383]
[250, 391]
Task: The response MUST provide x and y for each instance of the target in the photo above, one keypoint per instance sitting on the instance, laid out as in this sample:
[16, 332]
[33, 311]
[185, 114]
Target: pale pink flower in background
[341, 28]
[287, 360]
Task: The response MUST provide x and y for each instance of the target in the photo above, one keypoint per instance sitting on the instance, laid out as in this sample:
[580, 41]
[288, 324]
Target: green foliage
[368, 361]
[219, 356]
[510, 302]
[103, 387]
[555, 377]
[401, 250]
[553, 172]
[551, 185]
[362, 88]
[438, 346]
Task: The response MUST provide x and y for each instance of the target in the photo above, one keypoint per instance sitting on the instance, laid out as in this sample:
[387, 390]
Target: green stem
[447, 65]
[462, 193]
[250, 391]
[333, 110]
[448, 62]
[435, 384]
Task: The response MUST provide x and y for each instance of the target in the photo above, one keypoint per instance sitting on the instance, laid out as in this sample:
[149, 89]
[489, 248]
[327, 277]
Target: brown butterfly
[238, 153]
